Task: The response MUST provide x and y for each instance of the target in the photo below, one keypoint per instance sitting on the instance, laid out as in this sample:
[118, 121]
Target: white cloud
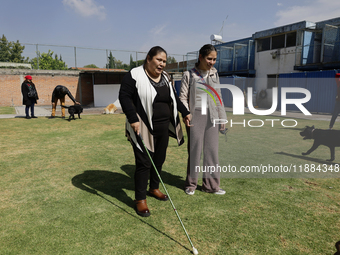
[86, 8]
[316, 10]
[158, 30]
[279, 4]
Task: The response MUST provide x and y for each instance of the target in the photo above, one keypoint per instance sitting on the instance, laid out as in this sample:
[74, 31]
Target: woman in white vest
[151, 106]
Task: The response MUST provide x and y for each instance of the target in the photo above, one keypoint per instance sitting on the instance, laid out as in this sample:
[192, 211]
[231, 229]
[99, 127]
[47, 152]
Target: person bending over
[59, 93]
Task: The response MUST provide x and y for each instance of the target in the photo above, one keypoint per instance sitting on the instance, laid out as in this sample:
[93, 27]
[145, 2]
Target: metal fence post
[37, 51]
[107, 60]
[75, 57]
[136, 59]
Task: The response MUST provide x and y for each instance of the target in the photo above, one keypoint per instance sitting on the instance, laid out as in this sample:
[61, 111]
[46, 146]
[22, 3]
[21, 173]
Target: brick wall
[79, 83]
[45, 82]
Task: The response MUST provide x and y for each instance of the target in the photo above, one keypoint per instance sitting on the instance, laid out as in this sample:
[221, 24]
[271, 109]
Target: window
[291, 39]
[263, 44]
[278, 41]
[272, 80]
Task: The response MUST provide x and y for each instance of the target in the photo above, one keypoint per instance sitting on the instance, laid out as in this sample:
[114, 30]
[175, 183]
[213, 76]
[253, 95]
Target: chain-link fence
[76, 57]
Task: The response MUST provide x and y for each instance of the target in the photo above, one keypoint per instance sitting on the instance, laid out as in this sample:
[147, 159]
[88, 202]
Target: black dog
[74, 109]
[329, 138]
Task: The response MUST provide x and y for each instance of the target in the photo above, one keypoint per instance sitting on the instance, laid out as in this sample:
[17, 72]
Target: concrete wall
[16, 65]
[45, 81]
[106, 94]
[274, 62]
[269, 63]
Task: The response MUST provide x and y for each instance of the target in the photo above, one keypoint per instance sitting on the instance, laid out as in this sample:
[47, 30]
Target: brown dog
[110, 109]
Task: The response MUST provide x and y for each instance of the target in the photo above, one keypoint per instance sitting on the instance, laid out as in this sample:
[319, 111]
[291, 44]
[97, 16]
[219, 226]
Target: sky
[131, 26]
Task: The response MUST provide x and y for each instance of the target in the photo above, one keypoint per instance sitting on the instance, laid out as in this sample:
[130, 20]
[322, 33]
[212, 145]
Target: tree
[16, 50]
[171, 60]
[47, 62]
[115, 63]
[133, 63]
[112, 61]
[4, 50]
[91, 66]
[11, 51]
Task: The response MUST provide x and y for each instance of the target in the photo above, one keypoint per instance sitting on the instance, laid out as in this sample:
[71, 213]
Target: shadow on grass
[109, 183]
[112, 184]
[337, 246]
[307, 158]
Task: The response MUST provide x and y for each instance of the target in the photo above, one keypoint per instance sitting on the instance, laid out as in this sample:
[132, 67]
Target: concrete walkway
[39, 111]
[45, 111]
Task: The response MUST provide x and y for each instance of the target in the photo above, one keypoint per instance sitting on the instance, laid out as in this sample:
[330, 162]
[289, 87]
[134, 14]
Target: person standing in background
[30, 96]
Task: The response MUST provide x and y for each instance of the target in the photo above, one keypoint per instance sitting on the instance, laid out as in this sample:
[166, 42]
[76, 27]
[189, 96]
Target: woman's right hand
[187, 120]
[135, 127]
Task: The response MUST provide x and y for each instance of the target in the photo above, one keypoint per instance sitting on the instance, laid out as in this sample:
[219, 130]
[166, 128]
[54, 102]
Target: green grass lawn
[7, 110]
[67, 188]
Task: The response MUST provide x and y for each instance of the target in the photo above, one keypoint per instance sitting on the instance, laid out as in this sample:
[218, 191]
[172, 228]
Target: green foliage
[133, 63]
[112, 61]
[171, 60]
[91, 66]
[115, 63]
[47, 62]
[11, 51]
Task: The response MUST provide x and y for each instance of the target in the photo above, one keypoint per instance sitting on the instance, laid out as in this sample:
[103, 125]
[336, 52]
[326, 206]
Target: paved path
[45, 111]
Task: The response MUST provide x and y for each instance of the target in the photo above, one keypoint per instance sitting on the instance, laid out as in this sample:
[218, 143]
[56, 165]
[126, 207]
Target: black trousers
[144, 168]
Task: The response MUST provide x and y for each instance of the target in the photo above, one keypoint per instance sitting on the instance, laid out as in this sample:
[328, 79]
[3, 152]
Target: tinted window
[291, 39]
[278, 41]
[263, 44]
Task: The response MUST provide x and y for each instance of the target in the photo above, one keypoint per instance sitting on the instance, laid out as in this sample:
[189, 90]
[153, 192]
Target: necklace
[154, 79]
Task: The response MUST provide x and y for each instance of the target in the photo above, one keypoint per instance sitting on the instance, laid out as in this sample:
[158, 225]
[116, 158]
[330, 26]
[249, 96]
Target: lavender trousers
[202, 136]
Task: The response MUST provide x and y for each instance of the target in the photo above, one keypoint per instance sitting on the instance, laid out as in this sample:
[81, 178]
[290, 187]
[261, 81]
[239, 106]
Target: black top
[61, 91]
[162, 102]
[128, 97]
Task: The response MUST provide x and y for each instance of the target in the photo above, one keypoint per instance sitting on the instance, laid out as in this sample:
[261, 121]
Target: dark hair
[205, 51]
[153, 52]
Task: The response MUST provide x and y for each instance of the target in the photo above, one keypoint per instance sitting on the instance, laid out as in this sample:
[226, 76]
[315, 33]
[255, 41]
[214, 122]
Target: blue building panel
[320, 84]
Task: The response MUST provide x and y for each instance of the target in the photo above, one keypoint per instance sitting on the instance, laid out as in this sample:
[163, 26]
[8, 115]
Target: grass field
[67, 188]
[7, 110]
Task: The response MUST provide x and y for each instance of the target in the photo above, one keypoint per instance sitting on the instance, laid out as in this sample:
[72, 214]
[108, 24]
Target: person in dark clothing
[30, 96]
[59, 93]
[151, 106]
[336, 110]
